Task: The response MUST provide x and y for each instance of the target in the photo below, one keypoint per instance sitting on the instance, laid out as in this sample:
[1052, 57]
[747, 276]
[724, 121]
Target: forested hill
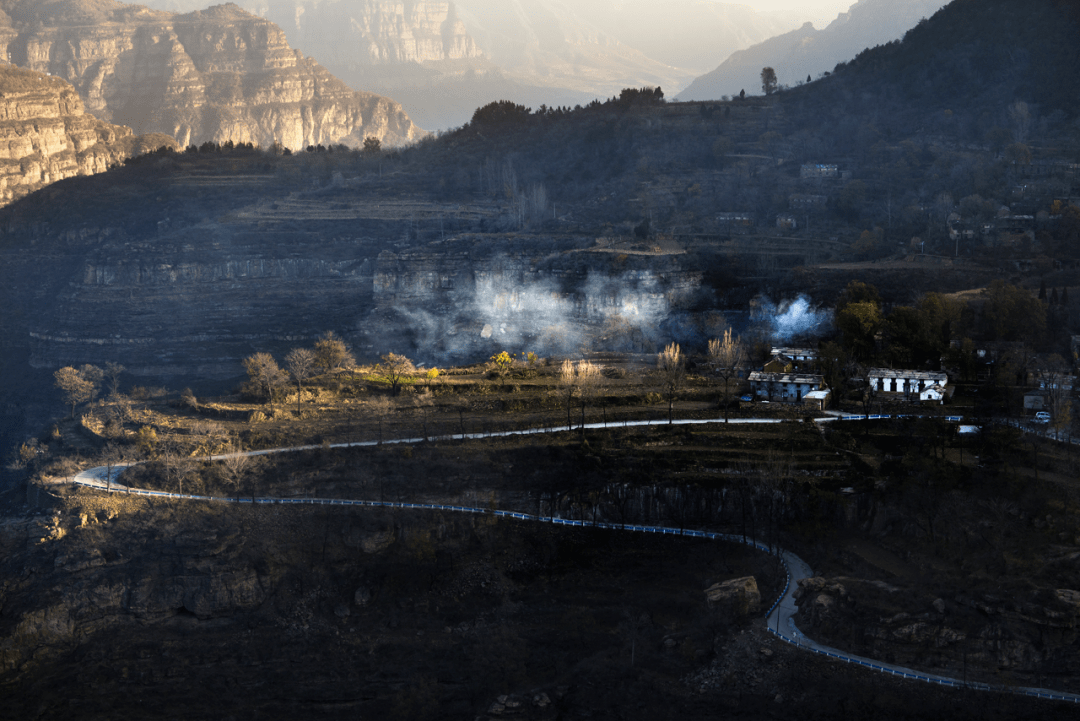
[973, 58]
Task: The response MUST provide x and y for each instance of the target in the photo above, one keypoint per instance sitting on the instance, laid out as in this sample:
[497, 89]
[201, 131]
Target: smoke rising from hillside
[794, 318]
[625, 312]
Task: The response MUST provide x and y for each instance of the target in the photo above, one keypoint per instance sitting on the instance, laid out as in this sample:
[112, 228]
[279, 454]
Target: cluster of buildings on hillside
[790, 377]
[1035, 185]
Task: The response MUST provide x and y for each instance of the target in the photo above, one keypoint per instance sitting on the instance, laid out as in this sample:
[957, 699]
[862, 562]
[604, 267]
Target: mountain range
[211, 75]
[442, 60]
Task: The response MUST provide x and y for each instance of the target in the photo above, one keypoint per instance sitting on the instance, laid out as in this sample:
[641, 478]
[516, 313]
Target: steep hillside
[46, 134]
[810, 52]
[214, 75]
[950, 76]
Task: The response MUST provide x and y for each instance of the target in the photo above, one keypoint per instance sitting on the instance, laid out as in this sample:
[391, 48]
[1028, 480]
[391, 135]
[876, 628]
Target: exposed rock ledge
[213, 75]
[46, 134]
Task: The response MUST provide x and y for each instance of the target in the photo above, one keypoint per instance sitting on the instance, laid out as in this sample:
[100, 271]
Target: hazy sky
[831, 7]
[820, 12]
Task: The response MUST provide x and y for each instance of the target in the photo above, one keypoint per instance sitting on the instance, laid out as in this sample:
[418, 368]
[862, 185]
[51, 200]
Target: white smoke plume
[797, 318]
[548, 316]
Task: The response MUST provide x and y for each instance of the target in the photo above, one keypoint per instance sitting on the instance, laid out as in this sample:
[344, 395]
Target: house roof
[786, 377]
[816, 396]
[936, 376]
[792, 352]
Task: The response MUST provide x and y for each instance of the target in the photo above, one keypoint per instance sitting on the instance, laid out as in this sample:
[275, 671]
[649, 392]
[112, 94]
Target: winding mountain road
[780, 618]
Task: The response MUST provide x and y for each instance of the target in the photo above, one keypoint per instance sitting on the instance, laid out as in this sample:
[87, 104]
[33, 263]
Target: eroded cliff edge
[212, 75]
[46, 134]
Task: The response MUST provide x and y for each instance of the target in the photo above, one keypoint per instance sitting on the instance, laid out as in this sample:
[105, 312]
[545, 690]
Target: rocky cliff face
[213, 75]
[373, 32]
[442, 60]
[46, 134]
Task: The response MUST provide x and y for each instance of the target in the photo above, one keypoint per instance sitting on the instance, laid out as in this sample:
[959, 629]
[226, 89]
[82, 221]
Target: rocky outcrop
[46, 135]
[738, 597]
[1026, 634]
[212, 75]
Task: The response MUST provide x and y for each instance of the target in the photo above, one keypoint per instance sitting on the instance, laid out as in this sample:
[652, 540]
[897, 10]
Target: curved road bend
[780, 618]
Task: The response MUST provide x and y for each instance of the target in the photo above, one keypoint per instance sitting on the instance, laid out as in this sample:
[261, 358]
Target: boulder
[739, 596]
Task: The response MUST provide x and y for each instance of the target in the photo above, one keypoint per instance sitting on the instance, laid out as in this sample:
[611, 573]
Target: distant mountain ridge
[213, 75]
[809, 52]
[444, 59]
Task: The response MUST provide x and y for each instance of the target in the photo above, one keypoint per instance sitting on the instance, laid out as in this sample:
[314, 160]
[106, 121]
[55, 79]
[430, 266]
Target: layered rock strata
[375, 32]
[46, 134]
[212, 75]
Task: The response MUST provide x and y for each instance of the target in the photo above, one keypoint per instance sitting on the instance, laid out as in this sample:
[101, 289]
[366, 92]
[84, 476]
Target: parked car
[1041, 417]
[747, 398]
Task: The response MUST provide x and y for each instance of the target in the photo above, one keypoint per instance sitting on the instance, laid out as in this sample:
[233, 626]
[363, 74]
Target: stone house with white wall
[907, 384]
[789, 387]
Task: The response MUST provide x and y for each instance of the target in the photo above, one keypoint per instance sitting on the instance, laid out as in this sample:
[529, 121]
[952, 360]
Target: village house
[933, 394]
[1051, 381]
[802, 357]
[1036, 400]
[788, 387]
[908, 384]
[780, 363]
[786, 221]
[819, 170]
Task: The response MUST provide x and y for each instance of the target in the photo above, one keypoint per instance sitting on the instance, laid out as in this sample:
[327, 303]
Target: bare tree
[93, 374]
[174, 462]
[112, 372]
[331, 353]
[396, 368]
[671, 365]
[567, 387]
[589, 381]
[725, 356]
[236, 466]
[210, 434]
[110, 458]
[77, 387]
[265, 374]
[301, 365]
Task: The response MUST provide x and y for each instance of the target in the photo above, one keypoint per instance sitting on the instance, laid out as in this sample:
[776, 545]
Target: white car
[1041, 417]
